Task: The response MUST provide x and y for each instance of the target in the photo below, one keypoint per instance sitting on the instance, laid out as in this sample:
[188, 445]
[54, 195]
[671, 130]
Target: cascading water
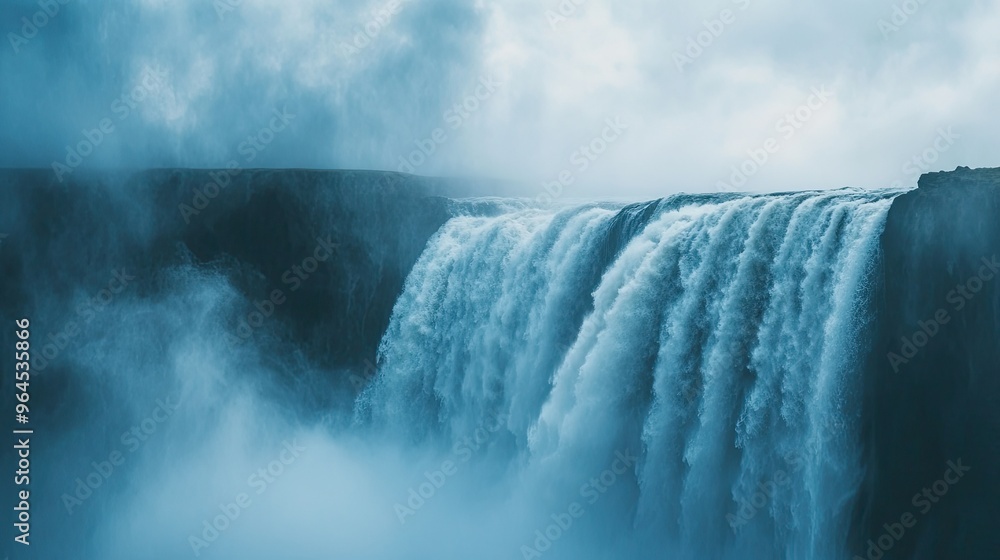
[715, 339]
[698, 377]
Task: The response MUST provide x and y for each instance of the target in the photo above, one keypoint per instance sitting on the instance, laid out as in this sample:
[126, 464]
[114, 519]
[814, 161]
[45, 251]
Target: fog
[515, 90]
[166, 439]
[186, 446]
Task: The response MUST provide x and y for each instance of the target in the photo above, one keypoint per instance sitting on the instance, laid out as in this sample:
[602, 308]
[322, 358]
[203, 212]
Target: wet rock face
[934, 373]
[260, 229]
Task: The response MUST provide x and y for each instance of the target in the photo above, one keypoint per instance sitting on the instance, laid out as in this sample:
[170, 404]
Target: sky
[627, 98]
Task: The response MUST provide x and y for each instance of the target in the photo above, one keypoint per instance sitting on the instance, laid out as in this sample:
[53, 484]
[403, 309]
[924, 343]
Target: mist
[397, 85]
[570, 279]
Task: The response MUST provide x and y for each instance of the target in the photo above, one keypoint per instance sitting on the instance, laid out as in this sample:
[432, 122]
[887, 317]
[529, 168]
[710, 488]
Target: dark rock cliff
[934, 372]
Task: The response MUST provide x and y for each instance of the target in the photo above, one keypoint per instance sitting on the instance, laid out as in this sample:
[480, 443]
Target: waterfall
[715, 338]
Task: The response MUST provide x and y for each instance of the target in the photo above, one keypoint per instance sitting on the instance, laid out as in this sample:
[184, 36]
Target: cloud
[371, 80]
